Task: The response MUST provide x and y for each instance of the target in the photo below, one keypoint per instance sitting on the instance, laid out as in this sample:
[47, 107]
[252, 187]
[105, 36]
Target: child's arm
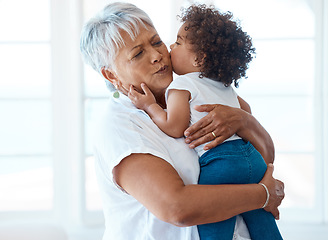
[173, 121]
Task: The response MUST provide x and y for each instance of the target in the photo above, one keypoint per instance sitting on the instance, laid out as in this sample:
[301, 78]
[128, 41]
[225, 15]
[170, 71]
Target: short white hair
[101, 35]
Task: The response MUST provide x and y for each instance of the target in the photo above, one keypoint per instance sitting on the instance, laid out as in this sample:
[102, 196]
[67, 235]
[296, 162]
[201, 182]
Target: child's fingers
[145, 89]
[132, 91]
[132, 94]
[121, 88]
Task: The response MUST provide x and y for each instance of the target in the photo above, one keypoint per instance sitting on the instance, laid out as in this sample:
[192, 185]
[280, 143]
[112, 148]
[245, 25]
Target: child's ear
[199, 63]
[202, 61]
[110, 76]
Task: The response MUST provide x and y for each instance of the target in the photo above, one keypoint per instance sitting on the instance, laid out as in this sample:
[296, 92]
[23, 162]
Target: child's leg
[224, 164]
[217, 231]
[237, 162]
[260, 223]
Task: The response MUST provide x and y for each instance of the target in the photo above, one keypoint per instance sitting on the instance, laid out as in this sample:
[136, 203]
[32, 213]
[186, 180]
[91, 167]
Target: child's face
[182, 57]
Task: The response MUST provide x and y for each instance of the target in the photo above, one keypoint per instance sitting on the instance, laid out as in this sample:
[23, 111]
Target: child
[211, 53]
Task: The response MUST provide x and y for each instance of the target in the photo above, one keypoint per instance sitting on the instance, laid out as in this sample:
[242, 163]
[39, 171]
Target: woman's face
[144, 60]
[182, 57]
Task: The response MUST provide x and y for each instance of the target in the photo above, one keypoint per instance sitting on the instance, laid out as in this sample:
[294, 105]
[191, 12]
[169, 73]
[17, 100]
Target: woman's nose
[171, 46]
[156, 56]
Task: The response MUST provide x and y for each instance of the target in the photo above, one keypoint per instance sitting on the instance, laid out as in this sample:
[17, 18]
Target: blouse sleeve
[124, 135]
[182, 83]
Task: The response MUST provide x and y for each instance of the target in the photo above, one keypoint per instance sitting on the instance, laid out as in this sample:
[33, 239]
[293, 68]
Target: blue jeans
[236, 162]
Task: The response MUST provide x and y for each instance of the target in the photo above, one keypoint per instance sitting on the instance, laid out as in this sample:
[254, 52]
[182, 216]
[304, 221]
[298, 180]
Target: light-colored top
[204, 91]
[124, 130]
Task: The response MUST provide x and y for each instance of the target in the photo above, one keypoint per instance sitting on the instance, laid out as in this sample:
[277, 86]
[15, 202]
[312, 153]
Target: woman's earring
[116, 94]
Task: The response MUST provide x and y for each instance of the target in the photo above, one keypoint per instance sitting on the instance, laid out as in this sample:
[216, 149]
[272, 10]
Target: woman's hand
[276, 191]
[222, 120]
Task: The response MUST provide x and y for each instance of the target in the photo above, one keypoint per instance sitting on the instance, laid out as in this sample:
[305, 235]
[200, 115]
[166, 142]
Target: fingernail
[187, 140]
[192, 146]
[186, 134]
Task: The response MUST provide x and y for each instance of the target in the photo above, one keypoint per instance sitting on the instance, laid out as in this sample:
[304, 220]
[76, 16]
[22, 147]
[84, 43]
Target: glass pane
[26, 184]
[91, 7]
[289, 120]
[273, 18]
[25, 70]
[25, 127]
[22, 20]
[280, 69]
[157, 15]
[93, 110]
[298, 173]
[93, 200]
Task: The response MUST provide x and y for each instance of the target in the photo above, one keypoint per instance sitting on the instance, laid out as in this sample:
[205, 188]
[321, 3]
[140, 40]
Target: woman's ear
[110, 76]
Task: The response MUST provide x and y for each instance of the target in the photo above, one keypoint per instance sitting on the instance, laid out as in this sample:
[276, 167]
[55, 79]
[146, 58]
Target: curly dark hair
[227, 49]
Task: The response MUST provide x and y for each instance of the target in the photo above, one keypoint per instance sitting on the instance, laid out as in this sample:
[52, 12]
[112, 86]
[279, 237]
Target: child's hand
[142, 101]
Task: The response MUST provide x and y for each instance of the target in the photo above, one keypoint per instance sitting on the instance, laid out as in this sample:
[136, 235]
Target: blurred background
[49, 101]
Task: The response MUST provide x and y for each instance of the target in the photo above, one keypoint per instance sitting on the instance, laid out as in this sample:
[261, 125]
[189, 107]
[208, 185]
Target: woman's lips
[163, 70]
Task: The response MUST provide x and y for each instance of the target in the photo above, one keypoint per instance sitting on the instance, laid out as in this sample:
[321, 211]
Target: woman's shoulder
[116, 119]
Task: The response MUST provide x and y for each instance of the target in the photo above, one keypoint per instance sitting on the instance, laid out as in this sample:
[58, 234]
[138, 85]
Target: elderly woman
[147, 179]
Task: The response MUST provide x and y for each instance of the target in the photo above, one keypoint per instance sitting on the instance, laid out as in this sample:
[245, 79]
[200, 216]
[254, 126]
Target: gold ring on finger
[213, 134]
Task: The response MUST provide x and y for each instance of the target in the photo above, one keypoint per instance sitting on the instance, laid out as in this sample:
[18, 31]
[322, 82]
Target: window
[26, 173]
[49, 102]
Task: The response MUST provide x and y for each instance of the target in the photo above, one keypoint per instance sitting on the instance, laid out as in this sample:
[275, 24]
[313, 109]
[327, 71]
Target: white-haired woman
[147, 179]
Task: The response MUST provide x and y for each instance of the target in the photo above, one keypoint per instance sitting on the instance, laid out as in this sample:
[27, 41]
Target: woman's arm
[257, 139]
[156, 185]
[225, 121]
[175, 119]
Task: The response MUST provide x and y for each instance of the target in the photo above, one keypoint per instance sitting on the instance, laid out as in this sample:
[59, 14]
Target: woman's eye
[138, 54]
[158, 43]
[177, 43]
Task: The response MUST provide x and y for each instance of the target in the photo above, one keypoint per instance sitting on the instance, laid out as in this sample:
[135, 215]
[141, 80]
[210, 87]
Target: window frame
[67, 92]
[324, 80]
